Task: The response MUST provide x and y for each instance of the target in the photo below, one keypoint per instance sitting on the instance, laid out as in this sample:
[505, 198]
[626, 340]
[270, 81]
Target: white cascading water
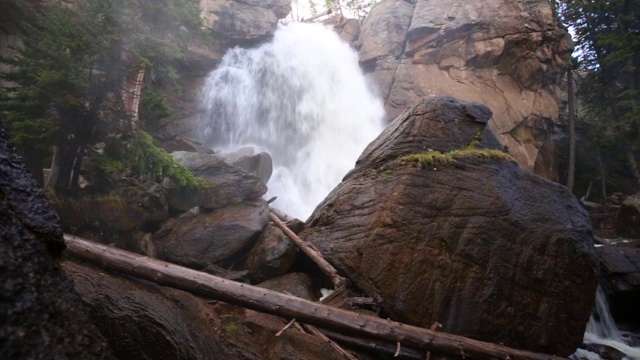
[303, 99]
[603, 330]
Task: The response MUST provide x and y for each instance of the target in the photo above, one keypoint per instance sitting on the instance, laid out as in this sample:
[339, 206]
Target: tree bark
[54, 169]
[603, 179]
[572, 131]
[272, 302]
[633, 164]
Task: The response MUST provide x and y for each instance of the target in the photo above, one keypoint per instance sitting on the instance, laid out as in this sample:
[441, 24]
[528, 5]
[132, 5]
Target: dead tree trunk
[572, 130]
[313, 253]
[288, 306]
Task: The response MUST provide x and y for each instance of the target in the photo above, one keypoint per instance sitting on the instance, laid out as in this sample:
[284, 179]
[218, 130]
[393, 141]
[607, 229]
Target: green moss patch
[433, 157]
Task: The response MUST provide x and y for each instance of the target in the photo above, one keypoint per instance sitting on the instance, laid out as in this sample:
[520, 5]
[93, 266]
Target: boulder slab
[480, 245]
[272, 255]
[200, 240]
[229, 184]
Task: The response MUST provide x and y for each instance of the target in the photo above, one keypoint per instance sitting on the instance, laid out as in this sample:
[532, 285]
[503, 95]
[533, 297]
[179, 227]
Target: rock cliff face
[472, 241]
[243, 21]
[509, 55]
[233, 23]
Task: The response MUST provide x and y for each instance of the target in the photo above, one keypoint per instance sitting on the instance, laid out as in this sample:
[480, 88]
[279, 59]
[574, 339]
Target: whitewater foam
[302, 98]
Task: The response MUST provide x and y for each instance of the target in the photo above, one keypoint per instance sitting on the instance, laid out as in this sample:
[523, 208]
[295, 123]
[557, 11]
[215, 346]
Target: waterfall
[303, 99]
[603, 330]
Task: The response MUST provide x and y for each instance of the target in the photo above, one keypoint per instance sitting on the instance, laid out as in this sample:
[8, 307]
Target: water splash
[603, 330]
[302, 98]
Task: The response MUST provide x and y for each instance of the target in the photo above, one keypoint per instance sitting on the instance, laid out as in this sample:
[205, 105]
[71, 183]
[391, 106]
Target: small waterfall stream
[603, 330]
[303, 99]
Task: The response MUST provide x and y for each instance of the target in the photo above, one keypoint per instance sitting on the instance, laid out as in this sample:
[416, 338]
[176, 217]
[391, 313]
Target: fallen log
[312, 252]
[264, 300]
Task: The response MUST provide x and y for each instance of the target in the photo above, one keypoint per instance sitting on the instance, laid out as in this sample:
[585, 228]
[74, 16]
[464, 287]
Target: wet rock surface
[296, 284]
[199, 239]
[40, 315]
[480, 245]
[272, 255]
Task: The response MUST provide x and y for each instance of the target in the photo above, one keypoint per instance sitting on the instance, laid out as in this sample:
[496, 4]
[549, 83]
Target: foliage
[69, 75]
[608, 44]
[358, 9]
[607, 68]
[146, 158]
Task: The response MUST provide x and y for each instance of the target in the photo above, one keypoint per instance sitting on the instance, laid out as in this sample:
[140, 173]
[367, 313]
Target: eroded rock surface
[40, 315]
[509, 55]
[480, 245]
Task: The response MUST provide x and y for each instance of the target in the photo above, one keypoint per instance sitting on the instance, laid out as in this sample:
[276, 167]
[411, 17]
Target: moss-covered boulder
[445, 229]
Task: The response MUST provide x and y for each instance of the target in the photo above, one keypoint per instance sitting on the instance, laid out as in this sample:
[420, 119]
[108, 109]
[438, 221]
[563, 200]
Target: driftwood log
[312, 252]
[264, 300]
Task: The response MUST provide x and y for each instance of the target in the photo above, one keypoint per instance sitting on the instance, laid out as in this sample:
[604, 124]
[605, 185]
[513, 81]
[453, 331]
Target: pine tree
[70, 72]
[608, 44]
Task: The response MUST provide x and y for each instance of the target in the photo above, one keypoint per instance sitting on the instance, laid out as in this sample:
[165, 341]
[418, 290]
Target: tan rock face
[509, 55]
[243, 20]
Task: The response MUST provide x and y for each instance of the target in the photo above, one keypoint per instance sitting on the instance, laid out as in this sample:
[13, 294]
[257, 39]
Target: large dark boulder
[229, 184]
[201, 240]
[40, 315]
[272, 255]
[143, 321]
[471, 241]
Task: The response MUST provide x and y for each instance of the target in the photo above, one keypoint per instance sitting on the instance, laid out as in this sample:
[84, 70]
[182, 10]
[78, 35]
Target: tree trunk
[66, 161]
[572, 131]
[288, 306]
[602, 175]
[633, 164]
[54, 169]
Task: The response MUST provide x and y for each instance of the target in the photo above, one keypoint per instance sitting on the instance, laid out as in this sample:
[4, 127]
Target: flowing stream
[303, 99]
[603, 330]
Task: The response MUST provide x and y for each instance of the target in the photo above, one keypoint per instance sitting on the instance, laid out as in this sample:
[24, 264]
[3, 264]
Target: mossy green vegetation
[434, 157]
[146, 158]
[231, 327]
